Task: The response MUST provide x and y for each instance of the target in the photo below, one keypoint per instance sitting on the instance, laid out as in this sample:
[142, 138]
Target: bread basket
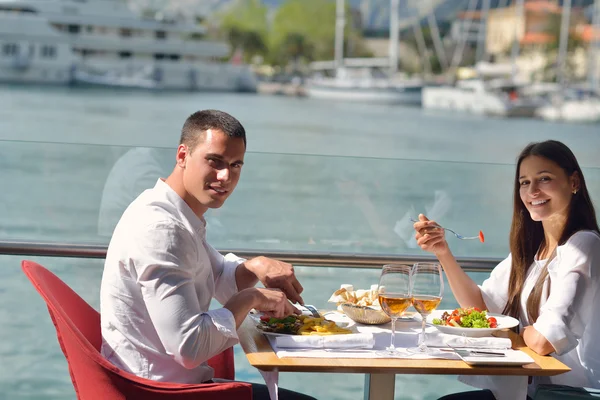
[365, 314]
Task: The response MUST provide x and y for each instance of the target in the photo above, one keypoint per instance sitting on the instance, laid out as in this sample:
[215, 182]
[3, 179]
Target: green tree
[314, 22]
[294, 48]
[245, 26]
[574, 42]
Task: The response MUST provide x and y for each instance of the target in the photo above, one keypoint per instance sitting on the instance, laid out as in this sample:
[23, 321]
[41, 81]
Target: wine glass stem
[392, 347]
[422, 345]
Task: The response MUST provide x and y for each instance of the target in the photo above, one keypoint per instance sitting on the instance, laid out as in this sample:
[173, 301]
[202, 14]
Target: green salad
[471, 317]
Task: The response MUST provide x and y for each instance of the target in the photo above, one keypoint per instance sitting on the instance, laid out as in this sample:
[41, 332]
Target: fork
[458, 235]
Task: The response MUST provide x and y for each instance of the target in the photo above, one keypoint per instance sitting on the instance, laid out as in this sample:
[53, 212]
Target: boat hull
[380, 95]
[477, 102]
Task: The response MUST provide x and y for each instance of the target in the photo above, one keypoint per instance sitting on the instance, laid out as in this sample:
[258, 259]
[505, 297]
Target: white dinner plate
[512, 358]
[256, 318]
[504, 322]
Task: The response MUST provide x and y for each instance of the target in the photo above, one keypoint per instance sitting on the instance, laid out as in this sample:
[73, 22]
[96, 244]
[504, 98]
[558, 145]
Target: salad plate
[502, 322]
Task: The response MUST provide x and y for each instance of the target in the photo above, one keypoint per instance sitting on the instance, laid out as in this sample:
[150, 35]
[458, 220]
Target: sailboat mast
[422, 46]
[394, 36]
[462, 41]
[593, 73]
[482, 32]
[563, 41]
[340, 23]
[437, 42]
[514, 53]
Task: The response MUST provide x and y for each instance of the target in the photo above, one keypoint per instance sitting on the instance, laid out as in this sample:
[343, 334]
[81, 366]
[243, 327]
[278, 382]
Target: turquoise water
[318, 177]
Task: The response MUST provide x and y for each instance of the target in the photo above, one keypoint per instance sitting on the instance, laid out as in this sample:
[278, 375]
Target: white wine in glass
[426, 288]
[394, 296]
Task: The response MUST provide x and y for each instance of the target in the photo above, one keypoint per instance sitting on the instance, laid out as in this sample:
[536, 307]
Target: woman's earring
[575, 191]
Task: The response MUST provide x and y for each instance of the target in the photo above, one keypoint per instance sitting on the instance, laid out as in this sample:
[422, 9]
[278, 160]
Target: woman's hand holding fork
[430, 237]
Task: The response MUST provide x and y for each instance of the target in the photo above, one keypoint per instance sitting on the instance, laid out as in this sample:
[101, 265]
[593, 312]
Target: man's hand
[273, 302]
[276, 274]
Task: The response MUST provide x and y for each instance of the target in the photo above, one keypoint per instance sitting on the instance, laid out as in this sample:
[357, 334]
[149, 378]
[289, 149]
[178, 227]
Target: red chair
[78, 329]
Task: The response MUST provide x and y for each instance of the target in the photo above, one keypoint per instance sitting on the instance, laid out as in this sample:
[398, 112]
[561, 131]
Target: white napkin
[438, 339]
[352, 340]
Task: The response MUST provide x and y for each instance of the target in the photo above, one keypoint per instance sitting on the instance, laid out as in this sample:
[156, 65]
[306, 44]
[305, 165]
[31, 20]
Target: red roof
[542, 6]
[469, 15]
[537, 38]
[586, 33]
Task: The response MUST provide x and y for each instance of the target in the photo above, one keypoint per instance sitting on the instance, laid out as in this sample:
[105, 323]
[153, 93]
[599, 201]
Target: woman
[550, 280]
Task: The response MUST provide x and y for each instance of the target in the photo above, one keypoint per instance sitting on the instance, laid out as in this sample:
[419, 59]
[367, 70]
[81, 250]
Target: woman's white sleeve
[494, 289]
[568, 310]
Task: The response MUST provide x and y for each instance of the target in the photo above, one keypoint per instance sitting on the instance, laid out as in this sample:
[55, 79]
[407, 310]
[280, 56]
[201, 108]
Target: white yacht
[361, 84]
[103, 42]
[572, 105]
[477, 96]
[362, 79]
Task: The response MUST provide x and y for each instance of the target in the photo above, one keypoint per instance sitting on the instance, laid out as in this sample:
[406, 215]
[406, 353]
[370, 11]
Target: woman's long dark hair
[527, 235]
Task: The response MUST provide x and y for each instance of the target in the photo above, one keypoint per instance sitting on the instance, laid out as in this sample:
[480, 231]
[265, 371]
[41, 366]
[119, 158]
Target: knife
[479, 353]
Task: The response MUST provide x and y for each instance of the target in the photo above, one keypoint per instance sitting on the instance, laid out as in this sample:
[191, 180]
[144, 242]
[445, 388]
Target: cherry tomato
[476, 309]
[493, 322]
[265, 318]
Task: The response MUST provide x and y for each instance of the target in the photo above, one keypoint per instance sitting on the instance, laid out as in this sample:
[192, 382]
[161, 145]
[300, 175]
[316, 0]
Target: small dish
[365, 314]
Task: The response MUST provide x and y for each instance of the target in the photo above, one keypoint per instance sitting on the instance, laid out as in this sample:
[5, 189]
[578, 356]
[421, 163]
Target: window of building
[159, 56]
[175, 57]
[48, 51]
[125, 54]
[73, 28]
[125, 32]
[10, 49]
[161, 34]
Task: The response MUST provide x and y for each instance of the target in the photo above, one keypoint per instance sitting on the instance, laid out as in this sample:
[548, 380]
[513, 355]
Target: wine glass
[394, 296]
[426, 288]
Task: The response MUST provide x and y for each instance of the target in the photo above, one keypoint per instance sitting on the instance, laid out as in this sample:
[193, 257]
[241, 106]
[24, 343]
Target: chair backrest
[78, 329]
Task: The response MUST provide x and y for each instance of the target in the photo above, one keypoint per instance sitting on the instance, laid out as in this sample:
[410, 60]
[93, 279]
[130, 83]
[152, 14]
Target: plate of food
[299, 325]
[471, 321]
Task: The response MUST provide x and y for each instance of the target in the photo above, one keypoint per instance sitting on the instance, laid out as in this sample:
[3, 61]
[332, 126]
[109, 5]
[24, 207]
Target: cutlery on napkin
[437, 339]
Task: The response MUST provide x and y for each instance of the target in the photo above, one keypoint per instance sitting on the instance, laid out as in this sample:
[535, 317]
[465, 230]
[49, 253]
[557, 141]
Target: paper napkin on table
[438, 339]
[350, 341]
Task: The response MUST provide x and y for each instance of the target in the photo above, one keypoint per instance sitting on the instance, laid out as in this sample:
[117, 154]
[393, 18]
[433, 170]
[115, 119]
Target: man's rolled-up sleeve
[166, 270]
[224, 268]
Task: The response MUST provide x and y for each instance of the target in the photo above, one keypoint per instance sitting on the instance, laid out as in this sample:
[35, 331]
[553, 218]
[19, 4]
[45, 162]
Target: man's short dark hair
[198, 123]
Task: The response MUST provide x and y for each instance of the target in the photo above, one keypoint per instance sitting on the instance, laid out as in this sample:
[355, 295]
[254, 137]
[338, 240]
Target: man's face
[211, 170]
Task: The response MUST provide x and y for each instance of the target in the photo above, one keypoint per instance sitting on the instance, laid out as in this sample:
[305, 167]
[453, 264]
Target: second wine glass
[426, 288]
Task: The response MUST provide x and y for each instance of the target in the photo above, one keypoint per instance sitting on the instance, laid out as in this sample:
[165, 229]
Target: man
[160, 273]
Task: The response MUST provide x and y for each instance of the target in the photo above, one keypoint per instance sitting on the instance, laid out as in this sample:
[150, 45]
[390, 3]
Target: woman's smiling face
[545, 188]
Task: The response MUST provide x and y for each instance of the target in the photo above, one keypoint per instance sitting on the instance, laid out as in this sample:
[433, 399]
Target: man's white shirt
[159, 278]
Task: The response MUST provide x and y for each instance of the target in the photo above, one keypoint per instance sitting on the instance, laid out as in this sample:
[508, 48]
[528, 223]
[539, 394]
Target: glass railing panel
[34, 367]
[76, 193]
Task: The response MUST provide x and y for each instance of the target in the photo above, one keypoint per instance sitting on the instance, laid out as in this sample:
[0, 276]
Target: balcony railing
[307, 259]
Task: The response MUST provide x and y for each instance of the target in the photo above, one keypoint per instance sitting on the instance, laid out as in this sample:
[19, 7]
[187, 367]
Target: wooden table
[380, 372]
